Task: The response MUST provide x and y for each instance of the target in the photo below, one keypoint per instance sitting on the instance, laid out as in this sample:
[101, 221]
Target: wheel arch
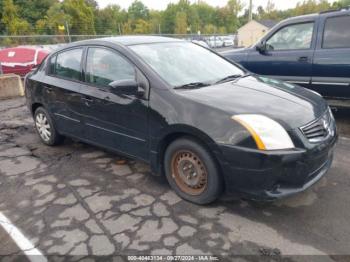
[35, 106]
[179, 131]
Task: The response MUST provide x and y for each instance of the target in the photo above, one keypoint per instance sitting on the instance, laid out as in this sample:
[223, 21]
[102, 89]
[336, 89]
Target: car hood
[291, 105]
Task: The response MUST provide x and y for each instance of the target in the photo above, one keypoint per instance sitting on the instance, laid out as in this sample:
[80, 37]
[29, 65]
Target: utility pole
[119, 29]
[250, 10]
[67, 28]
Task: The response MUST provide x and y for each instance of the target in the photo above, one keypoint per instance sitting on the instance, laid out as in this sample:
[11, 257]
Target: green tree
[206, 16]
[210, 29]
[270, 6]
[138, 16]
[138, 10]
[127, 28]
[181, 23]
[170, 16]
[193, 19]
[92, 3]
[261, 12]
[168, 19]
[82, 16]
[270, 11]
[311, 6]
[243, 19]
[55, 18]
[141, 27]
[41, 27]
[33, 10]
[155, 22]
[109, 20]
[228, 16]
[341, 4]
[2, 27]
[13, 24]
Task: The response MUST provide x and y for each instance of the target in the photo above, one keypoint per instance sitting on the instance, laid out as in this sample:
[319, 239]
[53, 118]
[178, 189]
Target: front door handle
[48, 89]
[87, 100]
[303, 59]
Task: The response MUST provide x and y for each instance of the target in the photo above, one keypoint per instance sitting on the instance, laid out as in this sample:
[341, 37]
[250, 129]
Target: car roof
[119, 40]
[324, 13]
[339, 11]
[302, 17]
[132, 40]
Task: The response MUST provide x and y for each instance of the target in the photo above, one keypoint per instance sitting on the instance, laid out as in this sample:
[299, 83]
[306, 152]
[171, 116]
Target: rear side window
[337, 32]
[68, 64]
[104, 66]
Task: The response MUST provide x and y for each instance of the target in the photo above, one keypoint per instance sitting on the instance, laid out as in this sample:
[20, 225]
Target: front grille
[320, 129]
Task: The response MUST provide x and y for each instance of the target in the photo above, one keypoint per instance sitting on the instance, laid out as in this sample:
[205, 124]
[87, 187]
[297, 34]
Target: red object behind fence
[20, 60]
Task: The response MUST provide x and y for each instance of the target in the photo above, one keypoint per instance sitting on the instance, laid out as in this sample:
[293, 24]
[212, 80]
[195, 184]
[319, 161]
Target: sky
[162, 4]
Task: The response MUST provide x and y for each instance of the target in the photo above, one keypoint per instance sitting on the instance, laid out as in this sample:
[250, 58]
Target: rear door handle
[48, 89]
[303, 59]
[87, 100]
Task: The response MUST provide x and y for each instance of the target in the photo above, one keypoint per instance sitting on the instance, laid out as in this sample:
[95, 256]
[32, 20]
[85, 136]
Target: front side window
[181, 63]
[337, 32]
[68, 64]
[293, 37]
[104, 66]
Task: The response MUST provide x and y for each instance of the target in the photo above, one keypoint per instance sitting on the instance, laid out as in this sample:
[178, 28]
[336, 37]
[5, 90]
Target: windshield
[182, 63]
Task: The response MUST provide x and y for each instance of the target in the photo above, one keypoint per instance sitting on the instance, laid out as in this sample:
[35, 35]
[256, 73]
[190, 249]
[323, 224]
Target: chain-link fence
[54, 41]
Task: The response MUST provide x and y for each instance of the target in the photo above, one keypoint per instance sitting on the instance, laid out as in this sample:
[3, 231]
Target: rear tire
[45, 127]
[192, 171]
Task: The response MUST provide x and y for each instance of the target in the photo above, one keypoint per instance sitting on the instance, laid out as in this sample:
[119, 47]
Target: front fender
[161, 141]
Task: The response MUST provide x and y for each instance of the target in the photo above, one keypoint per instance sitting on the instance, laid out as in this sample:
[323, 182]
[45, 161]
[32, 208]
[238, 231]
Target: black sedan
[204, 122]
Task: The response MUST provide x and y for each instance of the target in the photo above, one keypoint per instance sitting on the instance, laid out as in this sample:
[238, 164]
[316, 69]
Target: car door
[113, 118]
[331, 67]
[61, 86]
[288, 54]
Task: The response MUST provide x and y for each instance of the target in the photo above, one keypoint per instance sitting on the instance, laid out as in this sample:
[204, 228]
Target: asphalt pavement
[79, 200]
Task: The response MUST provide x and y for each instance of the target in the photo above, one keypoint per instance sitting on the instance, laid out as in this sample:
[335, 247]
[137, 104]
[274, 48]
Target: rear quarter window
[337, 32]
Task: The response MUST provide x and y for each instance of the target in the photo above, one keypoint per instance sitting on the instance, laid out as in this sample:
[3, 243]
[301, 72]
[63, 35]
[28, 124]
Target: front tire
[192, 171]
[45, 127]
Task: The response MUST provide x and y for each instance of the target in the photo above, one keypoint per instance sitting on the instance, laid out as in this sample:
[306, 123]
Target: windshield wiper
[192, 85]
[230, 77]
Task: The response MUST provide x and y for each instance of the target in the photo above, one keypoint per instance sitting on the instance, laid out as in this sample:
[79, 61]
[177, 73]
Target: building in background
[251, 32]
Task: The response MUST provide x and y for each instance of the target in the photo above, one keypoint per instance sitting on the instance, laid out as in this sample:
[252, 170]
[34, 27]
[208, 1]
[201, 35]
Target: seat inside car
[66, 70]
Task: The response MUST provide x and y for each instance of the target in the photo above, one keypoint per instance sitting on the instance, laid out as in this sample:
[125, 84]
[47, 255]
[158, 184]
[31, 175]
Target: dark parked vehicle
[312, 51]
[192, 115]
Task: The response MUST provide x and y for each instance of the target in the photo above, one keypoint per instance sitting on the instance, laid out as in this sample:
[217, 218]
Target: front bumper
[269, 175]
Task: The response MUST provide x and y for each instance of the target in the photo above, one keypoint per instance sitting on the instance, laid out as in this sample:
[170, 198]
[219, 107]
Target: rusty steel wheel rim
[189, 172]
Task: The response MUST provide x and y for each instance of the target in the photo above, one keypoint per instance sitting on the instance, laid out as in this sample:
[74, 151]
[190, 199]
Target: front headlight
[267, 133]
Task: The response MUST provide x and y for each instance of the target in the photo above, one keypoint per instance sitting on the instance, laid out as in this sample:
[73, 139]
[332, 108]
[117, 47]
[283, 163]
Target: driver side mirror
[264, 48]
[127, 87]
[261, 47]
